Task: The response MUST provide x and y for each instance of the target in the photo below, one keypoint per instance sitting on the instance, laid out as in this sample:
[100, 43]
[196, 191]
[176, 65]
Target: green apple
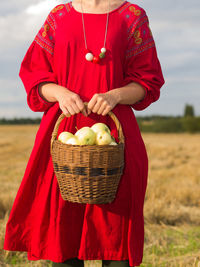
[73, 141]
[86, 136]
[64, 136]
[103, 138]
[99, 126]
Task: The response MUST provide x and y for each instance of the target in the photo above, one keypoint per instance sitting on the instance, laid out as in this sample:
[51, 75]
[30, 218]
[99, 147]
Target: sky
[175, 25]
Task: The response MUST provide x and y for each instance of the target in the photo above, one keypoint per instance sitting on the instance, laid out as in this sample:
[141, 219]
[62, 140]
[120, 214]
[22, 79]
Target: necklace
[89, 56]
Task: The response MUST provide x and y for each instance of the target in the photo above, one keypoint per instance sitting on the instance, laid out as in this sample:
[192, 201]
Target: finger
[81, 107]
[80, 104]
[75, 107]
[71, 110]
[88, 111]
[102, 108]
[84, 112]
[96, 107]
[92, 102]
[66, 112]
[107, 109]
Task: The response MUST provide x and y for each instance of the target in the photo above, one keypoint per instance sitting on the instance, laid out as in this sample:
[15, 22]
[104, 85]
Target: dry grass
[172, 204]
[174, 179]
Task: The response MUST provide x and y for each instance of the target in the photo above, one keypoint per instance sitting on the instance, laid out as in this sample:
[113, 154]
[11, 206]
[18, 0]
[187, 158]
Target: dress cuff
[40, 98]
[36, 102]
[142, 104]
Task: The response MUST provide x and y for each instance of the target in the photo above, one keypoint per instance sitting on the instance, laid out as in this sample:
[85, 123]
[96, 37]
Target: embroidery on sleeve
[68, 6]
[60, 7]
[46, 35]
[124, 7]
[137, 36]
[137, 12]
[140, 37]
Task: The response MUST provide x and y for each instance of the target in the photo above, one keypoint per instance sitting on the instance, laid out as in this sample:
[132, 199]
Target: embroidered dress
[41, 222]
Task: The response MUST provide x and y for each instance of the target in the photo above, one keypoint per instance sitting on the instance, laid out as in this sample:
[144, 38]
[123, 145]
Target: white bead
[103, 50]
[89, 56]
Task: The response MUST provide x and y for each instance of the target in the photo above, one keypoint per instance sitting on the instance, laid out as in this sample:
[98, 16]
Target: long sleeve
[141, 62]
[37, 65]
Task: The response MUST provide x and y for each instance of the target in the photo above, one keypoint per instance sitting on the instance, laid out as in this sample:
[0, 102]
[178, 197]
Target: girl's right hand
[70, 103]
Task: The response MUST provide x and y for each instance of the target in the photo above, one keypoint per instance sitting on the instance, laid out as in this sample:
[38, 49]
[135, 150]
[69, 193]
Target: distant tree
[191, 124]
[189, 111]
[15, 121]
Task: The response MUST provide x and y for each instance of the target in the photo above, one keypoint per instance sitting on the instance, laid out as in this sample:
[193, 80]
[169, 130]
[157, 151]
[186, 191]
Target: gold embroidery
[138, 39]
[57, 8]
[137, 34]
[46, 28]
[137, 12]
[54, 10]
[60, 7]
[44, 34]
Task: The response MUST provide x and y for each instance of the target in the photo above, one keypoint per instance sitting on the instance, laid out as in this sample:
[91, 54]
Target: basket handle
[110, 113]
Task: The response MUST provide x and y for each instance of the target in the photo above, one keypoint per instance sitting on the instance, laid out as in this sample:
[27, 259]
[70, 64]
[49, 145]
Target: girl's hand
[102, 103]
[70, 103]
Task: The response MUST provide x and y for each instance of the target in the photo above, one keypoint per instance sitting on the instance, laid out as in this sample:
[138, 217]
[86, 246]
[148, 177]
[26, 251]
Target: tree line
[155, 124]
[169, 124]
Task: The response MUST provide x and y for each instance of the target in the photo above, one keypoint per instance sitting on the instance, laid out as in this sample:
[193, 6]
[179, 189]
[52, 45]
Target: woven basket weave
[88, 173]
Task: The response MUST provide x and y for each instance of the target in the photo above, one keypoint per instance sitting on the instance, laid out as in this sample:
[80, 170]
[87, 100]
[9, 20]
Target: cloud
[9, 90]
[13, 103]
[21, 27]
[13, 6]
[41, 7]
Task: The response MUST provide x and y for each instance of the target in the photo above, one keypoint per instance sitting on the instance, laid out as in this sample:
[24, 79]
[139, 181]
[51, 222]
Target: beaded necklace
[89, 56]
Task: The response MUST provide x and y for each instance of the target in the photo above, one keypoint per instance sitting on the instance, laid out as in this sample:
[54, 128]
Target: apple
[99, 126]
[103, 138]
[113, 143]
[73, 141]
[64, 136]
[86, 136]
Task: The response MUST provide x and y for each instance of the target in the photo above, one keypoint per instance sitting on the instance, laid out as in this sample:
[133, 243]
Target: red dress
[41, 222]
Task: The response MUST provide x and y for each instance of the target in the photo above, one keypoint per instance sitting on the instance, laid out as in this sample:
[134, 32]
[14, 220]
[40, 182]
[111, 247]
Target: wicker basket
[88, 173]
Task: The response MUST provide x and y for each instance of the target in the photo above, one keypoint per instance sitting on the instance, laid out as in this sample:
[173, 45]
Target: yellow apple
[73, 141]
[99, 126]
[64, 136]
[86, 136]
[103, 138]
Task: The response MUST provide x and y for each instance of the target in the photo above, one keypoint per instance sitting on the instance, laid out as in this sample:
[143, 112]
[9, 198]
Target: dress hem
[95, 256]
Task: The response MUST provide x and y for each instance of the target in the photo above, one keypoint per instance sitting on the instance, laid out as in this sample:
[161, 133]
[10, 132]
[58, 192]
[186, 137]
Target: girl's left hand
[102, 103]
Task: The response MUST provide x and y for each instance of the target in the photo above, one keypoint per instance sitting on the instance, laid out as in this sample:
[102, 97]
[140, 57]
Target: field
[172, 203]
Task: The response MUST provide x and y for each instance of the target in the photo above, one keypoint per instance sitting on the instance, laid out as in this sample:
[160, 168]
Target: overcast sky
[176, 28]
